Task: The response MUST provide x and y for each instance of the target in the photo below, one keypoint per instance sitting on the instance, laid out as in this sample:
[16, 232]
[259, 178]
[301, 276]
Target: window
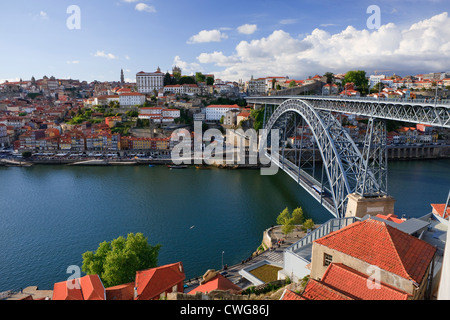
[327, 259]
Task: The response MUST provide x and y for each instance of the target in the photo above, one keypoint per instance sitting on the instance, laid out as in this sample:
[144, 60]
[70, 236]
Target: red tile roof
[439, 210]
[379, 244]
[219, 282]
[67, 290]
[317, 291]
[290, 295]
[151, 283]
[120, 292]
[92, 288]
[355, 284]
[390, 217]
[88, 287]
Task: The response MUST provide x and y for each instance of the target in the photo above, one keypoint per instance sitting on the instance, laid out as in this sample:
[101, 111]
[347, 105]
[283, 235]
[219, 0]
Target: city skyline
[233, 41]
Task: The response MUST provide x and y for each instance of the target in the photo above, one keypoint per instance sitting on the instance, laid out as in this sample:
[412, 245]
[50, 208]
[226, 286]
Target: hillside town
[53, 118]
[66, 117]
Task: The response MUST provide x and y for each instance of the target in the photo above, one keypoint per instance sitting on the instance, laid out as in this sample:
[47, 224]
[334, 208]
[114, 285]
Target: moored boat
[177, 167]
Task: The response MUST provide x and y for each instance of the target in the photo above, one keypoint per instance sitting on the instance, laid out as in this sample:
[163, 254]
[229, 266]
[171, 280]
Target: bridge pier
[358, 206]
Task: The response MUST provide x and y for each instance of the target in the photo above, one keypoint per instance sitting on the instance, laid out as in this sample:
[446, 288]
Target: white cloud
[143, 7]
[207, 36]
[43, 15]
[102, 54]
[247, 28]
[424, 46]
[73, 62]
[288, 21]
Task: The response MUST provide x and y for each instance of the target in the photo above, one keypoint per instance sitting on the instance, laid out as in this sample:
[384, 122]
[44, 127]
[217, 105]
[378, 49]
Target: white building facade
[131, 99]
[149, 82]
[216, 112]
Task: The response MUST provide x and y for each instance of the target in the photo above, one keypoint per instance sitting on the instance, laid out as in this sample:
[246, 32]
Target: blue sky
[233, 39]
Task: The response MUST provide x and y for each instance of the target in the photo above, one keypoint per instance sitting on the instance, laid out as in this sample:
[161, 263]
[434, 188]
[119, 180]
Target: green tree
[308, 225]
[298, 216]
[330, 77]
[258, 118]
[210, 81]
[199, 77]
[292, 84]
[168, 80]
[286, 221]
[26, 154]
[359, 79]
[117, 261]
[187, 80]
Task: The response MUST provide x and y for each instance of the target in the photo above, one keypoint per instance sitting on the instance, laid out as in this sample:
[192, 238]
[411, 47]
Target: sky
[232, 39]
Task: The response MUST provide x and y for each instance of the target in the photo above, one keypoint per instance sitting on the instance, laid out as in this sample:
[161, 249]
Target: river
[51, 215]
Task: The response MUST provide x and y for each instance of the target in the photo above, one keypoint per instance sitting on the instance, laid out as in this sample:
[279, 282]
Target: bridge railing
[325, 229]
[429, 101]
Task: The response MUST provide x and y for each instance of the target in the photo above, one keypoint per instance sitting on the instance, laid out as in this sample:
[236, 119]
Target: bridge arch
[341, 157]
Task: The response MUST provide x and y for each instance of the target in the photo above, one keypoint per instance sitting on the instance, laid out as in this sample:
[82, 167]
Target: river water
[51, 215]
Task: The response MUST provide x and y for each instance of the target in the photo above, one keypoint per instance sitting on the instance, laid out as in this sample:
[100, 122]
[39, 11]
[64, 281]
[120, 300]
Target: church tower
[122, 77]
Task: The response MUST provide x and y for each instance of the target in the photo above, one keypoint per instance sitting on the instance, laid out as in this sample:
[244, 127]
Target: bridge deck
[425, 111]
[306, 182]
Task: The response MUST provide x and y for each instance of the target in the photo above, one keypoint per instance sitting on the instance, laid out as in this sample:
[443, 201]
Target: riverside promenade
[274, 254]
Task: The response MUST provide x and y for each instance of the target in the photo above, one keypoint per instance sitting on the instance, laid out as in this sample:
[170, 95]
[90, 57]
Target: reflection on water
[50, 215]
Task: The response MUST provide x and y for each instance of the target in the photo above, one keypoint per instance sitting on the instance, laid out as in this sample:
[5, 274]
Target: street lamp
[222, 258]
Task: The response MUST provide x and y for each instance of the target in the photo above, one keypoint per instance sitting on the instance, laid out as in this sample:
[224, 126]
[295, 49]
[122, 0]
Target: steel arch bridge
[343, 163]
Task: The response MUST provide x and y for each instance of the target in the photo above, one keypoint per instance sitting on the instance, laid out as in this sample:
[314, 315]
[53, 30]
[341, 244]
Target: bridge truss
[430, 112]
[344, 170]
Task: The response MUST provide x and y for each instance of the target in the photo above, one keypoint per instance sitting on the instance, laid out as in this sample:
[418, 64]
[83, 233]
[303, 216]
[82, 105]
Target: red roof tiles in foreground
[151, 283]
[290, 295]
[318, 291]
[67, 290]
[358, 285]
[92, 288]
[439, 210]
[390, 217]
[120, 292]
[89, 287]
[219, 282]
[379, 244]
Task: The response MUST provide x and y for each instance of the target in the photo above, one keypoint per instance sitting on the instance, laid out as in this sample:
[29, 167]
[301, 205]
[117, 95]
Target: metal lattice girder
[341, 157]
[373, 161]
[434, 113]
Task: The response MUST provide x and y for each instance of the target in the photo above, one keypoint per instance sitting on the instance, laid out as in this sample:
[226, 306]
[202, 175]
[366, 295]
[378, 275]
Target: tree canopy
[288, 221]
[117, 261]
[359, 79]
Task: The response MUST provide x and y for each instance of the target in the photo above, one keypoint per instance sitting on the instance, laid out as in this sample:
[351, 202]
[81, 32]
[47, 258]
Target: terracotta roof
[92, 288]
[355, 284]
[379, 244]
[219, 282]
[235, 106]
[390, 217]
[439, 210]
[317, 291]
[89, 287]
[290, 295]
[151, 283]
[120, 292]
[61, 290]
